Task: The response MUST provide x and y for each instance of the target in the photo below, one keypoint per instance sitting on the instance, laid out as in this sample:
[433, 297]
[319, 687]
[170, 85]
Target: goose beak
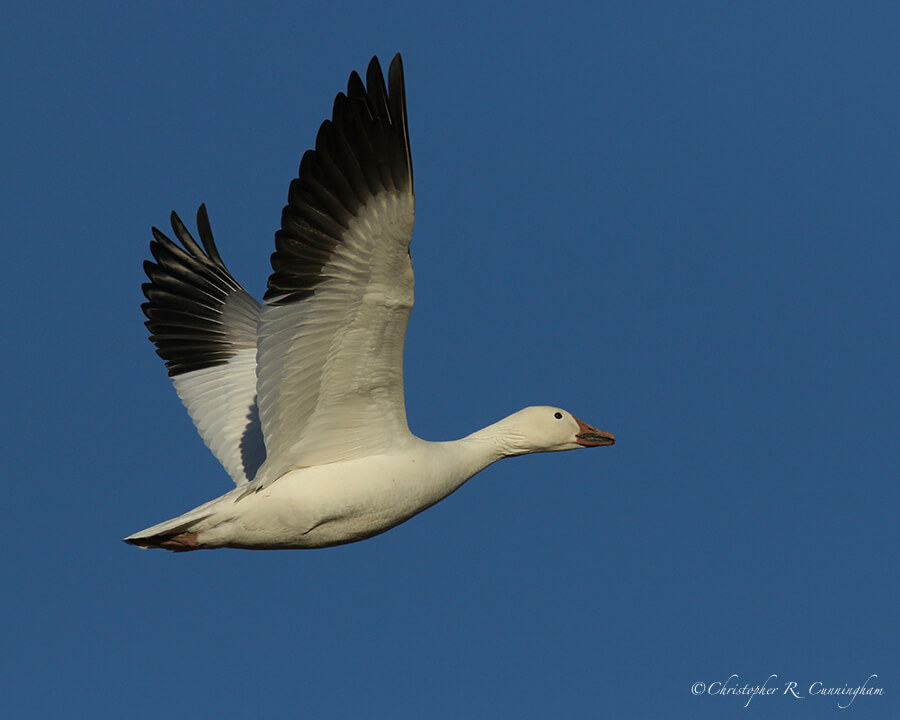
[592, 437]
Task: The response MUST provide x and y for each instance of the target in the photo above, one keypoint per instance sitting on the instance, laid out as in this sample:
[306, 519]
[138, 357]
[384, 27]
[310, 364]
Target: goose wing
[331, 331]
[203, 324]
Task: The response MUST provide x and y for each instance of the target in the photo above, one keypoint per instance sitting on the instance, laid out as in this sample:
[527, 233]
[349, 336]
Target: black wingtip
[397, 91]
[186, 297]
[362, 151]
[184, 236]
[206, 236]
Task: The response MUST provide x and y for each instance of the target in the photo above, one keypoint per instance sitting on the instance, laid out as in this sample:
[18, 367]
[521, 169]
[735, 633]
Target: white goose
[301, 399]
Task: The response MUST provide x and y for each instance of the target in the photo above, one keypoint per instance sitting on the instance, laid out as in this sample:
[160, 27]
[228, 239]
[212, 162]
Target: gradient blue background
[678, 220]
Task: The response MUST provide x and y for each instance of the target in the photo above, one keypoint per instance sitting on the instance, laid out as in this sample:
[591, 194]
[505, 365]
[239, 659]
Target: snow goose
[301, 398]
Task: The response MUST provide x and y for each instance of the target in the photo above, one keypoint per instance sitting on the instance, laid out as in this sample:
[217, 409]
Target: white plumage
[301, 399]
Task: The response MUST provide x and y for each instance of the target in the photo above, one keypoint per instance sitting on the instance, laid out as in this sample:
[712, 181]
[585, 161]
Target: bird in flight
[301, 398]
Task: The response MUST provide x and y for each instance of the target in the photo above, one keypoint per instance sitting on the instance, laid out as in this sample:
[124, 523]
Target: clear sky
[677, 220]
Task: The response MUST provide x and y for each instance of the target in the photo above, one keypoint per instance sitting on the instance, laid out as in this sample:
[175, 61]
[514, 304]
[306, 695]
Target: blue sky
[678, 221]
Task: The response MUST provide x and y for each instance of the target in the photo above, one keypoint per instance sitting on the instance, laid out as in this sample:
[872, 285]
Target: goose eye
[558, 415]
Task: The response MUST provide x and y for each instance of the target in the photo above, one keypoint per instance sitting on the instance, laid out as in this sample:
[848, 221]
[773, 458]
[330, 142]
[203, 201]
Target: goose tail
[180, 534]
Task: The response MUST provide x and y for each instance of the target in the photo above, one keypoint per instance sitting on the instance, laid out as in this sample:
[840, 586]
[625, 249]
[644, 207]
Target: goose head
[547, 429]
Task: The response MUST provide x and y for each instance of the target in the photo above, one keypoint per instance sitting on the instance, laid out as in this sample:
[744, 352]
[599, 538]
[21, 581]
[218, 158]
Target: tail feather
[178, 534]
[176, 542]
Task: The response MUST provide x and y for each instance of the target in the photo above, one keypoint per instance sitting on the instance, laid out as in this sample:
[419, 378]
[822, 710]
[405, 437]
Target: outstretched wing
[331, 333]
[203, 324]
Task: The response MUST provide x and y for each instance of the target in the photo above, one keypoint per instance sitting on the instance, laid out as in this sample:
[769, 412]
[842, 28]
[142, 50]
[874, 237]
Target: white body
[337, 503]
[351, 500]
